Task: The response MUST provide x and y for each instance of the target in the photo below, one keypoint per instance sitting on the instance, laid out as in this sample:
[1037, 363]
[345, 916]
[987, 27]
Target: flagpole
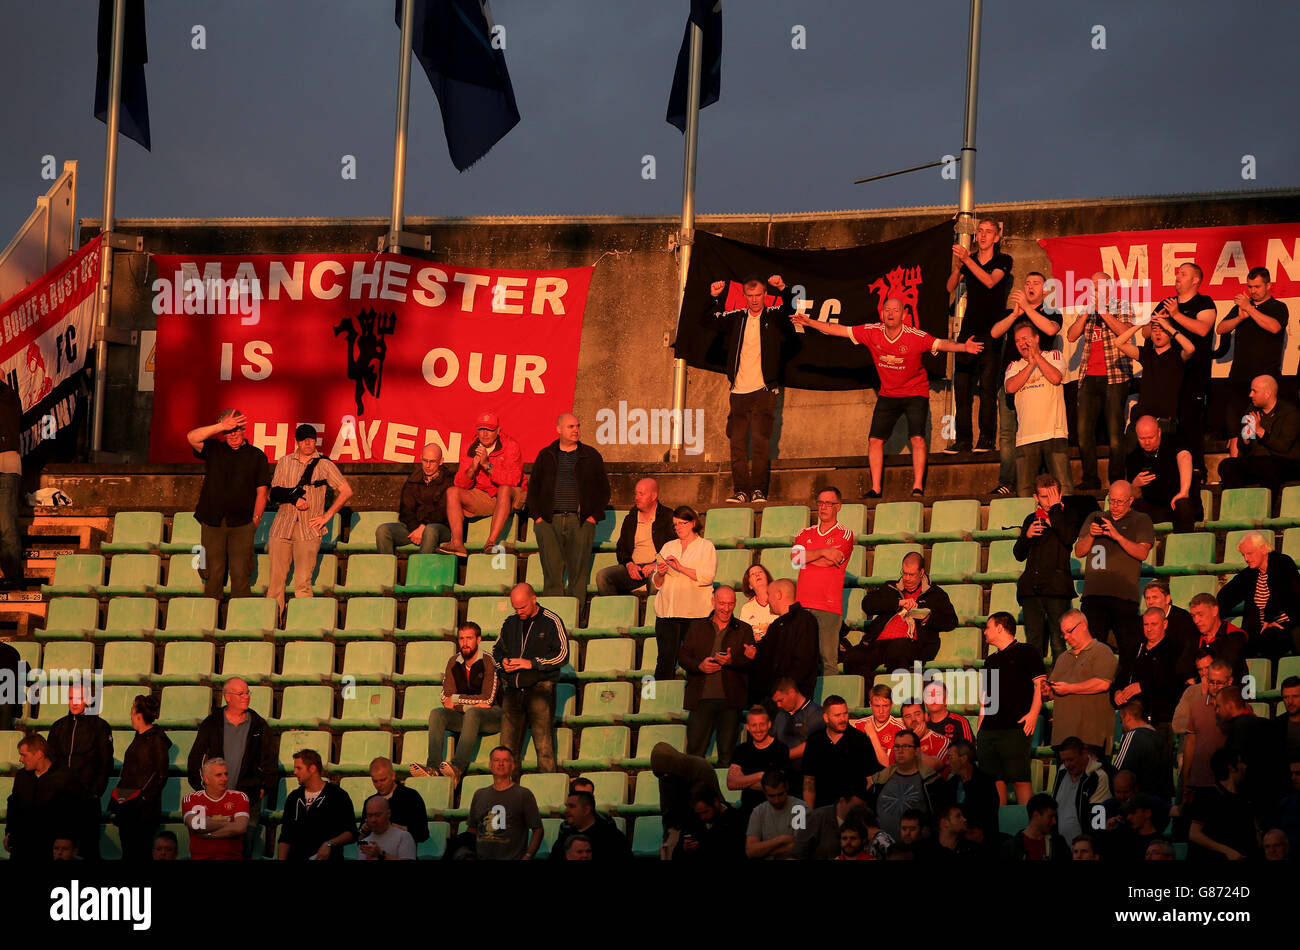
[966, 191]
[106, 228]
[687, 236]
[399, 144]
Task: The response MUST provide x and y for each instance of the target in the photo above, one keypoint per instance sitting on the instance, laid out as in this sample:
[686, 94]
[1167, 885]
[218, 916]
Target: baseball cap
[488, 420]
[304, 431]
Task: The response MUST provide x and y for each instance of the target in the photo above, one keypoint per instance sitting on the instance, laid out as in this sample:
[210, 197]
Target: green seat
[1261, 670]
[306, 661]
[550, 789]
[262, 533]
[248, 618]
[566, 608]
[132, 574]
[362, 527]
[417, 701]
[600, 747]
[611, 788]
[434, 789]
[1182, 588]
[136, 531]
[369, 574]
[489, 613]
[1006, 515]
[489, 574]
[29, 652]
[1187, 553]
[662, 701]
[647, 836]
[476, 532]
[647, 626]
[70, 655]
[1003, 566]
[780, 525]
[1287, 667]
[959, 647]
[428, 574]
[186, 534]
[599, 561]
[646, 739]
[366, 707]
[185, 663]
[953, 562]
[603, 704]
[1288, 515]
[357, 749]
[182, 577]
[184, 707]
[855, 568]
[645, 795]
[1232, 559]
[1012, 819]
[1242, 508]
[610, 615]
[732, 565]
[126, 662]
[468, 787]
[129, 618]
[9, 739]
[75, 574]
[896, 521]
[729, 527]
[70, 618]
[368, 618]
[649, 657]
[428, 617]
[965, 602]
[115, 705]
[309, 617]
[305, 707]
[251, 660]
[1291, 542]
[300, 740]
[779, 563]
[954, 520]
[854, 517]
[357, 785]
[259, 700]
[841, 684]
[608, 657]
[607, 530]
[1003, 597]
[425, 661]
[369, 662]
[887, 565]
[189, 618]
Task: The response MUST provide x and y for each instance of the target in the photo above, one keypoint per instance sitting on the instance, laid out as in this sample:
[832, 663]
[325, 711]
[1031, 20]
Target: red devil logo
[901, 282]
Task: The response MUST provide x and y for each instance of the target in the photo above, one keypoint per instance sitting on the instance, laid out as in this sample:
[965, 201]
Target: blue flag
[452, 39]
[707, 15]
[133, 121]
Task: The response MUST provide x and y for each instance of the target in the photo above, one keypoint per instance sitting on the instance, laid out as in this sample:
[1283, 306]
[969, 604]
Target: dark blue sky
[257, 124]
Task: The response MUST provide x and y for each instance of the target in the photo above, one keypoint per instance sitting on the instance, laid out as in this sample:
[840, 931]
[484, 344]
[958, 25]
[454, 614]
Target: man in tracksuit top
[567, 495]
[529, 653]
[470, 706]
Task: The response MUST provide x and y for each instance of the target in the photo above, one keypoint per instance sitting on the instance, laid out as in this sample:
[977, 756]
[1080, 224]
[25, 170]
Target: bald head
[646, 495]
[1263, 393]
[568, 429]
[1147, 426]
[780, 595]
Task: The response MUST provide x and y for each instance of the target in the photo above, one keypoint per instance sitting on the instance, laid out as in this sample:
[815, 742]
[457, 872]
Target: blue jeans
[389, 537]
[11, 537]
[1054, 453]
[1043, 622]
[468, 723]
[1098, 397]
[1007, 423]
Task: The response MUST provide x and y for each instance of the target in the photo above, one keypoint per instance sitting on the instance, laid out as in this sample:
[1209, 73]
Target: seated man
[1136, 831]
[406, 805]
[820, 839]
[797, 719]
[1144, 751]
[717, 677]
[772, 825]
[757, 755]
[1268, 594]
[607, 842]
[422, 512]
[1151, 674]
[576, 848]
[1178, 625]
[853, 843]
[1222, 824]
[907, 619]
[490, 481]
[216, 815]
[905, 785]
[470, 706]
[1040, 840]
[718, 833]
[949, 840]
[644, 532]
[1223, 639]
[1270, 440]
[1082, 788]
[383, 840]
[1084, 848]
[1160, 468]
[165, 846]
[882, 721]
[976, 791]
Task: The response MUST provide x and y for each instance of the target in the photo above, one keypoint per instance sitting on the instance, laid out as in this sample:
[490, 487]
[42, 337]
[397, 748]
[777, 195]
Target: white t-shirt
[755, 613]
[1040, 406]
[749, 374]
[396, 842]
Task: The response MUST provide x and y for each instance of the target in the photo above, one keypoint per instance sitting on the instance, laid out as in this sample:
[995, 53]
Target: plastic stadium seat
[855, 568]
[1242, 508]
[75, 574]
[425, 661]
[9, 739]
[428, 574]
[566, 608]
[305, 707]
[850, 687]
[953, 520]
[434, 789]
[662, 701]
[1288, 515]
[1232, 559]
[1012, 818]
[115, 705]
[248, 618]
[185, 534]
[1287, 666]
[489, 574]
[362, 526]
[365, 707]
[854, 517]
[965, 601]
[1187, 553]
[187, 663]
[468, 787]
[358, 748]
[645, 795]
[355, 783]
[1182, 588]
[299, 740]
[476, 532]
[1003, 566]
[259, 700]
[1291, 543]
[369, 574]
[417, 701]
[610, 615]
[603, 704]
[368, 663]
[29, 652]
[1003, 597]
[649, 656]
[307, 617]
[428, 617]
[132, 574]
[608, 657]
[780, 525]
[647, 626]
[189, 618]
[853, 616]
[182, 577]
[70, 618]
[129, 618]
[549, 788]
[1261, 670]
[729, 527]
[136, 531]
[953, 562]
[611, 788]
[607, 530]
[184, 706]
[888, 562]
[69, 655]
[489, 613]
[779, 563]
[1006, 515]
[647, 836]
[648, 737]
[251, 661]
[959, 647]
[368, 618]
[896, 521]
[306, 661]
[262, 533]
[600, 747]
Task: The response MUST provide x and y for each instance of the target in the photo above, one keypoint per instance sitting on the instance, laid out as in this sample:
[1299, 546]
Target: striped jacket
[540, 638]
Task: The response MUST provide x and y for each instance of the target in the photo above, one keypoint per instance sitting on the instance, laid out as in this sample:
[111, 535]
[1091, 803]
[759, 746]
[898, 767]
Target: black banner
[844, 285]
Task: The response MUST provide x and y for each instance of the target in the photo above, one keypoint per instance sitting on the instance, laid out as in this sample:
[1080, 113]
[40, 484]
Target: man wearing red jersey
[885, 725]
[216, 816]
[940, 719]
[904, 386]
[934, 747]
[821, 553]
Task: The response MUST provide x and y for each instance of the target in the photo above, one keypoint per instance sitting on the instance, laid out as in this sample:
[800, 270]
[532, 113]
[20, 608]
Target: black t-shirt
[1198, 364]
[1226, 819]
[1255, 351]
[230, 483]
[839, 768]
[1163, 463]
[1012, 688]
[985, 306]
[1161, 381]
[752, 759]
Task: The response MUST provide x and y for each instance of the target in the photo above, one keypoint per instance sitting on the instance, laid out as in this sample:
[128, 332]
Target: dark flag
[452, 39]
[847, 285]
[133, 121]
[707, 14]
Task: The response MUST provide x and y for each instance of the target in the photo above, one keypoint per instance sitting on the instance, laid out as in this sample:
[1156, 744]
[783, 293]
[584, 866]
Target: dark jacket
[720, 841]
[1281, 438]
[1058, 848]
[593, 483]
[881, 604]
[83, 745]
[40, 809]
[144, 774]
[661, 532]
[980, 802]
[819, 840]
[789, 648]
[425, 502]
[1229, 646]
[541, 638]
[935, 789]
[697, 646]
[11, 419]
[260, 770]
[306, 827]
[1157, 670]
[775, 334]
[1046, 557]
[1283, 594]
[607, 842]
[408, 810]
[1182, 629]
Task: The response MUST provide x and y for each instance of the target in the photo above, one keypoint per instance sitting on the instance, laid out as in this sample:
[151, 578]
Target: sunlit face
[307, 447]
[1148, 433]
[76, 700]
[1121, 500]
[1026, 339]
[1206, 617]
[1153, 627]
[486, 436]
[569, 429]
[828, 506]
[30, 758]
[1258, 289]
[759, 727]
[524, 602]
[216, 779]
[986, 235]
[237, 695]
[914, 718]
[1034, 289]
[1185, 280]
[910, 574]
[467, 641]
[880, 707]
[1217, 680]
[755, 296]
[1043, 496]
[757, 579]
[891, 314]
[430, 459]
[1255, 554]
[786, 699]
[1159, 336]
[302, 771]
[684, 529]
[1260, 393]
[1155, 597]
[1291, 700]
[383, 778]
[501, 763]
[235, 437]
[936, 700]
[905, 748]
[724, 603]
[645, 495]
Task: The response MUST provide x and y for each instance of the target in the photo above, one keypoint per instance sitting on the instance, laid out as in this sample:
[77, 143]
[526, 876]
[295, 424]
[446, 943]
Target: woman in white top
[756, 612]
[683, 577]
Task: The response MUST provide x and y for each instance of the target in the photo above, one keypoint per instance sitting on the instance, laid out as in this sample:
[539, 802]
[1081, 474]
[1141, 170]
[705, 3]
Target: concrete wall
[632, 307]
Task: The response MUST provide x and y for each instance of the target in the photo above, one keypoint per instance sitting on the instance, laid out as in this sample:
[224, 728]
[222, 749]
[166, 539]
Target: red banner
[382, 353]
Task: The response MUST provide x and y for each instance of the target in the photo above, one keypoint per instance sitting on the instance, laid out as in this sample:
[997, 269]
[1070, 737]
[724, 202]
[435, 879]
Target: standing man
[301, 518]
[318, 817]
[567, 495]
[471, 706]
[757, 755]
[756, 340]
[422, 513]
[1010, 700]
[44, 803]
[1256, 330]
[1151, 675]
[83, 744]
[789, 648]
[236, 483]
[904, 390]
[1042, 432]
[645, 530]
[1194, 314]
[503, 818]
[490, 481]
[1113, 544]
[1103, 382]
[1079, 684]
[1271, 433]
[824, 551]
[529, 653]
[837, 760]
[1044, 589]
[1196, 718]
[717, 681]
[11, 476]
[216, 816]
